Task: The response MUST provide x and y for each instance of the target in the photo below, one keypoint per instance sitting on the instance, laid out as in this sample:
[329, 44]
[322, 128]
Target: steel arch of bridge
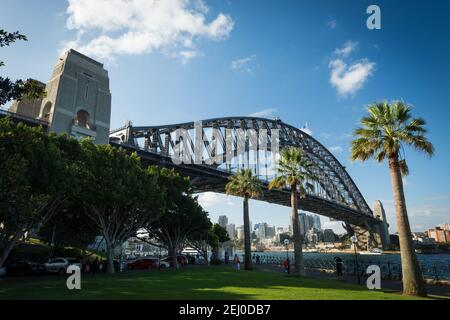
[336, 195]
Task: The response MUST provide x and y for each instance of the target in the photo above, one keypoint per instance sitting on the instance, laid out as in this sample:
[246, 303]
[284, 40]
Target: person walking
[237, 262]
[286, 265]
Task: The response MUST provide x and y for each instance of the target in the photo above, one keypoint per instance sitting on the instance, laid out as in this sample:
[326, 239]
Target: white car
[164, 264]
[60, 265]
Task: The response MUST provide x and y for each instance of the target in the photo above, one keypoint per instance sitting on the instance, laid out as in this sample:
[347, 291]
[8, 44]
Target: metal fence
[389, 270]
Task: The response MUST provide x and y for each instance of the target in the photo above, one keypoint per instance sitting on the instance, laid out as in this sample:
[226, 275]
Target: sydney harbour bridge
[335, 194]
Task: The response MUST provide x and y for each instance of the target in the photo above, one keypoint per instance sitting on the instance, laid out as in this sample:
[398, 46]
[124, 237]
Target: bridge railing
[17, 116]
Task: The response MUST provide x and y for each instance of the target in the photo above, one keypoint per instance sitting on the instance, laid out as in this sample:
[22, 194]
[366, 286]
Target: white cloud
[264, 113]
[336, 149]
[332, 24]
[107, 28]
[347, 49]
[348, 79]
[211, 199]
[243, 64]
[348, 76]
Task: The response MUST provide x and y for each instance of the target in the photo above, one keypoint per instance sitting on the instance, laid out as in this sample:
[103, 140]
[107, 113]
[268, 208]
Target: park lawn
[202, 283]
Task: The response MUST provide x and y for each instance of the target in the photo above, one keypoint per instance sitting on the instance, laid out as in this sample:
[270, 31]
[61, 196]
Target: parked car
[180, 259]
[146, 263]
[60, 265]
[142, 264]
[22, 268]
[164, 264]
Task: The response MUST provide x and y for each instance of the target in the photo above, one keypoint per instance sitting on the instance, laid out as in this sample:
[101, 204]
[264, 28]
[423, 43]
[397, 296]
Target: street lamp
[286, 243]
[354, 240]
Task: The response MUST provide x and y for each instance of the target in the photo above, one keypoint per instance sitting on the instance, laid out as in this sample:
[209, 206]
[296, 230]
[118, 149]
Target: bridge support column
[368, 236]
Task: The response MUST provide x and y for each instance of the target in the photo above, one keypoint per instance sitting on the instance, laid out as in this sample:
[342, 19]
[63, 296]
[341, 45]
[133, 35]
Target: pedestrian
[257, 260]
[95, 266]
[286, 265]
[339, 264]
[226, 257]
[237, 262]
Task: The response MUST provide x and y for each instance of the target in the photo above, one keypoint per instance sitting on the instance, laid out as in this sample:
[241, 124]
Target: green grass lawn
[190, 283]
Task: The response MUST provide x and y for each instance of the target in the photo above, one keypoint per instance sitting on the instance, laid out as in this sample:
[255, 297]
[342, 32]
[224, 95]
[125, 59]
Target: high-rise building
[240, 233]
[78, 100]
[303, 222]
[223, 221]
[231, 230]
[316, 222]
[262, 231]
[445, 226]
[270, 232]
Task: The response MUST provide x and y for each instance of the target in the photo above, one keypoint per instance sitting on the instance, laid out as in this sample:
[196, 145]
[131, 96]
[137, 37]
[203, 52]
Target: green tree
[19, 89]
[382, 135]
[117, 194]
[294, 171]
[35, 180]
[69, 227]
[182, 216]
[244, 184]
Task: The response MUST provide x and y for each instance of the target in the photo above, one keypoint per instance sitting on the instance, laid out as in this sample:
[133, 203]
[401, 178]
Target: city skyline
[289, 73]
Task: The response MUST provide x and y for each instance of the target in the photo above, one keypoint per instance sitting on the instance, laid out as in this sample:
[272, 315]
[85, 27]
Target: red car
[143, 264]
[182, 261]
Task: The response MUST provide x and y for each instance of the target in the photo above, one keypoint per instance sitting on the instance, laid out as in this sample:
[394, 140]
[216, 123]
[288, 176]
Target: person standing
[339, 264]
[237, 262]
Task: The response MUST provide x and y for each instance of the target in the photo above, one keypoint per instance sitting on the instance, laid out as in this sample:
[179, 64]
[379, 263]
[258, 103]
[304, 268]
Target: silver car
[60, 265]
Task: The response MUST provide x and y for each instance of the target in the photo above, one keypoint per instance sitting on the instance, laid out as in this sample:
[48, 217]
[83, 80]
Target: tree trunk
[298, 250]
[110, 267]
[412, 279]
[173, 254]
[247, 238]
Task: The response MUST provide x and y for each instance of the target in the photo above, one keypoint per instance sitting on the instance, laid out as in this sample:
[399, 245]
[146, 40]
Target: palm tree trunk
[298, 253]
[412, 279]
[247, 238]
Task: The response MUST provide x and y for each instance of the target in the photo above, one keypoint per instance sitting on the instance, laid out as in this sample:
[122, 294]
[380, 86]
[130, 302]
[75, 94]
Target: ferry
[373, 252]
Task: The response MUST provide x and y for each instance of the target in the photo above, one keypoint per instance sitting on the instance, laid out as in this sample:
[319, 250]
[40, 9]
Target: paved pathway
[385, 284]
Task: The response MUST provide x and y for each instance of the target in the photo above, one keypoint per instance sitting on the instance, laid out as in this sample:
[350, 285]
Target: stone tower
[378, 212]
[78, 98]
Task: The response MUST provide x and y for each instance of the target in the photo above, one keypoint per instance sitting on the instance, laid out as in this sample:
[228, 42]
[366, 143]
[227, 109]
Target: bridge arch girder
[334, 183]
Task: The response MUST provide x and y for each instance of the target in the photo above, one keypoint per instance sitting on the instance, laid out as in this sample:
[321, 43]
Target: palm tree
[244, 184]
[293, 171]
[381, 136]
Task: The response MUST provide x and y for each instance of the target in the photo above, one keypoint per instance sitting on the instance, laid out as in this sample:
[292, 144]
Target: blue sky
[311, 62]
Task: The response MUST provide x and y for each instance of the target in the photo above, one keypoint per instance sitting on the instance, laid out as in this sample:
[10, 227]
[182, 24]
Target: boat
[373, 252]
